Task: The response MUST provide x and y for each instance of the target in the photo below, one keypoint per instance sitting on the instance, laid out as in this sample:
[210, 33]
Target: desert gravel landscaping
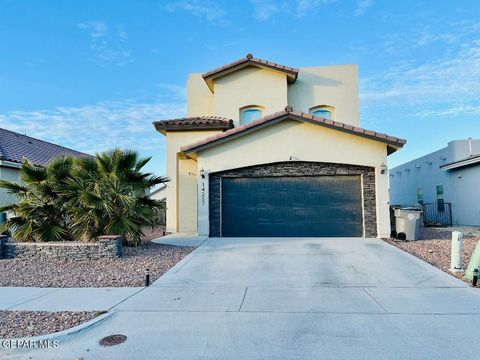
[435, 247]
[129, 270]
[17, 324]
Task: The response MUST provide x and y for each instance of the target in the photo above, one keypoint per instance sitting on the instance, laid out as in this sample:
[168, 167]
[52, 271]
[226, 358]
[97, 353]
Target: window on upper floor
[249, 114]
[325, 111]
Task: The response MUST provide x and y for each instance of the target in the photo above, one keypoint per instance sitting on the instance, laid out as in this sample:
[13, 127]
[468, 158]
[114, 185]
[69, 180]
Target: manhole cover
[113, 340]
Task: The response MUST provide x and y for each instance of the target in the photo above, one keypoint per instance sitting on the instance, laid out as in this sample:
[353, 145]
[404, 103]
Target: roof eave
[204, 127]
[461, 163]
[392, 146]
[11, 164]
[209, 78]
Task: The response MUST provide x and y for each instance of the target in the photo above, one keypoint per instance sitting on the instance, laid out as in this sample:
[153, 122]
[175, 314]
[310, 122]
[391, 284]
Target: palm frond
[13, 188]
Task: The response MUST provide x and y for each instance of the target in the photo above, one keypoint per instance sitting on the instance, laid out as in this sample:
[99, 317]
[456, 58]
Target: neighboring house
[270, 150]
[160, 193]
[15, 147]
[448, 176]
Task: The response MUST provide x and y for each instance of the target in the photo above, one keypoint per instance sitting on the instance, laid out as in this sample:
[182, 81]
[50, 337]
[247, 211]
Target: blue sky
[93, 75]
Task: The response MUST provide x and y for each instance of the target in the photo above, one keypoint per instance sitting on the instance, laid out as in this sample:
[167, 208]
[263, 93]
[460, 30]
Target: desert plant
[83, 198]
[39, 214]
[110, 195]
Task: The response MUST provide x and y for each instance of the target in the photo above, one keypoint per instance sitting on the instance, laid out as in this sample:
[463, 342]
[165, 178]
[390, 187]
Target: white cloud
[304, 7]
[96, 29]
[362, 6]
[264, 9]
[208, 10]
[455, 76]
[434, 71]
[267, 9]
[124, 123]
[107, 44]
[455, 110]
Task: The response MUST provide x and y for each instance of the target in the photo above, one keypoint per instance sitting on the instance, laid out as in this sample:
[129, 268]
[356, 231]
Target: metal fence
[437, 214]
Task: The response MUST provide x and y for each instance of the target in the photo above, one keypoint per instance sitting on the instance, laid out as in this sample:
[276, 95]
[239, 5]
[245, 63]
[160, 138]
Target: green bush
[83, 198]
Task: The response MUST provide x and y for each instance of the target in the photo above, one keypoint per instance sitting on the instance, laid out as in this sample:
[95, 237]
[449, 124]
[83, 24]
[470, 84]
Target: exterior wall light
[383, 169]
[202, 173]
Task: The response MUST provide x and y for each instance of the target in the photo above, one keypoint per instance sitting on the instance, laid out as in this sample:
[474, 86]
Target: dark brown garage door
[292, 206]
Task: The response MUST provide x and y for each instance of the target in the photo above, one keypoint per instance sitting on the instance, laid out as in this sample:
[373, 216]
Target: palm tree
[109, 195]
[83, 198]
[39, 213]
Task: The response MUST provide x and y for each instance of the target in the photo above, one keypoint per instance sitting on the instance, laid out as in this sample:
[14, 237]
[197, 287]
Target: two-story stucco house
[271, 150]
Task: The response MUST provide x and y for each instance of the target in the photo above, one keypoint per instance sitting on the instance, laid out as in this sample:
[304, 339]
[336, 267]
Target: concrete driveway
[292, 298]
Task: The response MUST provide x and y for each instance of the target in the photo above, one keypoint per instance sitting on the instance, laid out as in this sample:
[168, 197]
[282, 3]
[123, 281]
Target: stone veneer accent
[297, 168]
[108, 246]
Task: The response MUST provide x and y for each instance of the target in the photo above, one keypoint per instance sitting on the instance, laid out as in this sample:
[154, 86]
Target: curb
[60, 335]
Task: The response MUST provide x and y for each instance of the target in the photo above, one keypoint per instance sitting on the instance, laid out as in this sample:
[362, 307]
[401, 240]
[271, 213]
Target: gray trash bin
[407, 220]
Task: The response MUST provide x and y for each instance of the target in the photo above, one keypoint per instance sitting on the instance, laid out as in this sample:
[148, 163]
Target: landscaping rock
[128, 270]
[17, 324]
[435, 248]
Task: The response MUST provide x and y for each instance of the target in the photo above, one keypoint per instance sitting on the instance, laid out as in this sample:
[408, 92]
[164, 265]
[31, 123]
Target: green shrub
[83, 198]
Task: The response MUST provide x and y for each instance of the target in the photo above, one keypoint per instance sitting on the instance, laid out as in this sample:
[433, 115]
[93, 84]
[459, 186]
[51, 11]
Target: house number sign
[203, 193]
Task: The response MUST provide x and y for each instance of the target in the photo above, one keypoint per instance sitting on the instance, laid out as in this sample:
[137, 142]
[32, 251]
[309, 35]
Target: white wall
[460, 186]
[8, 174]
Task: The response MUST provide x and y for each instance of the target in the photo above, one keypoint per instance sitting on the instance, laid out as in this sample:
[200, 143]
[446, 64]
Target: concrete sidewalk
[63, 299]
[181, 239]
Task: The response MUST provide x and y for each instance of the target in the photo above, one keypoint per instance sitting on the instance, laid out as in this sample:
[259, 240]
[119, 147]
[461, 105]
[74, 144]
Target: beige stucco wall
[302, 142]
[181, 191]
[187, 195]
[336, 86]
[200, 98]
[250, 86]
[8, 174]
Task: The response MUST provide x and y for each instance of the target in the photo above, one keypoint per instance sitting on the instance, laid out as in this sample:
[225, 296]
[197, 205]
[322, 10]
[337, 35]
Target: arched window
[324, 111]
[249, 114]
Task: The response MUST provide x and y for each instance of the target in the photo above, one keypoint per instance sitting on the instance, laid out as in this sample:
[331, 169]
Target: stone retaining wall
[109, 246]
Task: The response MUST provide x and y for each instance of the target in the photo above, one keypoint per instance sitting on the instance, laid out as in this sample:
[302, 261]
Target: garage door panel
[292, 206]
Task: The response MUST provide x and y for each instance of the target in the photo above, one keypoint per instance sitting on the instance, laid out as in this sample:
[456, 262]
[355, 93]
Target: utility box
[457, 249]
[407, 220]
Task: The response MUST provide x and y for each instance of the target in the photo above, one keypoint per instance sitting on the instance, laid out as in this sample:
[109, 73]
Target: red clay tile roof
[15, 147]
[194, 123]
[249, 60]
[290, 114]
